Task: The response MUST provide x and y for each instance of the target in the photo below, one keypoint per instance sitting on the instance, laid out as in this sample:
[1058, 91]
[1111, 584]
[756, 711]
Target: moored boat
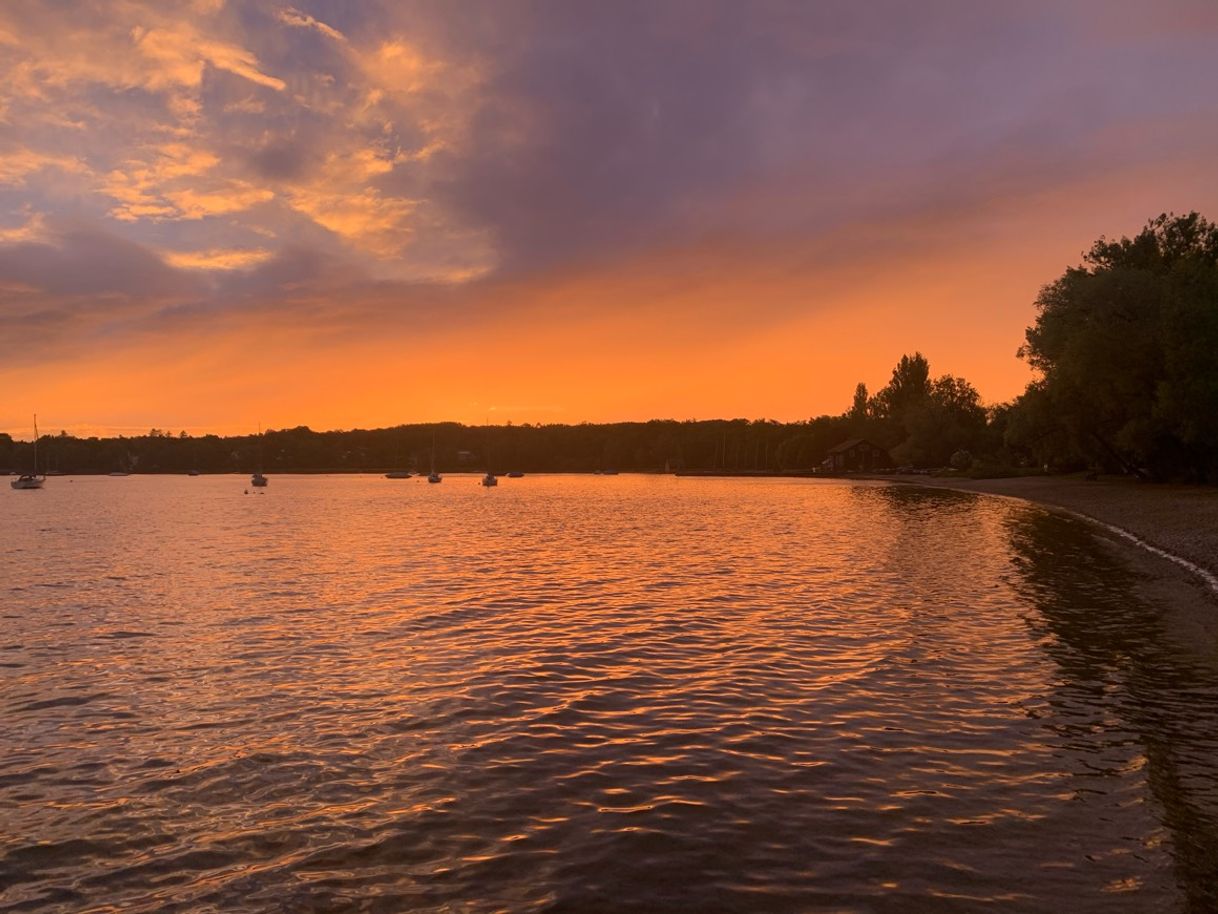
[258, 479]
[433, 476]
[31, 480]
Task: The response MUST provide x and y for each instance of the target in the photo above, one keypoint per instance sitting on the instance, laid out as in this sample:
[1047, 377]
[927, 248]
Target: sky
[216, 214]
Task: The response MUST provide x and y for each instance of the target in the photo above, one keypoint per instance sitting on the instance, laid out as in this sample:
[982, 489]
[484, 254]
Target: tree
[909, 387]
[948, 419]
[860, 408]
[924, 421]
[1124, 345]
[1030, 434]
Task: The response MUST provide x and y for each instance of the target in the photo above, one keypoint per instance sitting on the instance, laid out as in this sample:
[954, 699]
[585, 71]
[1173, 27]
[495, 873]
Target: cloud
[70, 287]
[84, 262]
[196, 113]
[177, 55]
[177, 181]
[302, 20]
[33, 228]
[217, 258]
[19, 165]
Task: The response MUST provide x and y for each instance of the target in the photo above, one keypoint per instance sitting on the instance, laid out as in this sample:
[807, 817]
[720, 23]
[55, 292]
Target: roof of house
[850, 444]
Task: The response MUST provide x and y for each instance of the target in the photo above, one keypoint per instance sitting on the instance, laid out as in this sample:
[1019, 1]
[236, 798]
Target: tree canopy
[1126, 345]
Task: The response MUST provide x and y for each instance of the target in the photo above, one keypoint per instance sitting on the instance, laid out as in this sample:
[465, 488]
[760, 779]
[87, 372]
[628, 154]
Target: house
[857, 455]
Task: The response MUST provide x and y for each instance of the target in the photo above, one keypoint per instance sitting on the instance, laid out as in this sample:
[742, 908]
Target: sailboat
[258, 479]
[489, 479]
[399, 474]
[31, 480]
[433, 476]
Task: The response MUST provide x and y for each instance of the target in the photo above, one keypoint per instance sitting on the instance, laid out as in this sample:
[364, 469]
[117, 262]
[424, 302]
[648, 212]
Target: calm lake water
[587, 694]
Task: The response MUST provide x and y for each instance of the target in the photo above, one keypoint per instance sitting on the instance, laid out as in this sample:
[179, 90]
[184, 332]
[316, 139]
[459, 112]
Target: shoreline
[1161, 530]
[1174, 521]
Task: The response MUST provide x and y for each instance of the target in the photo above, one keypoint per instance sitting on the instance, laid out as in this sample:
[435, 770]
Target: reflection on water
[587, 694]
[1121, 679]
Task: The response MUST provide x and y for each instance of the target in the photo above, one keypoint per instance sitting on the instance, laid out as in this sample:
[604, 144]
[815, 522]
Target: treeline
[734, 445]
[1124, 346]
[925, 422]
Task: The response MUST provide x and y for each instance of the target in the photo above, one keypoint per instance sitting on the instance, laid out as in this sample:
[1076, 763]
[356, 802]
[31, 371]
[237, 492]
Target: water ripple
[590, 694]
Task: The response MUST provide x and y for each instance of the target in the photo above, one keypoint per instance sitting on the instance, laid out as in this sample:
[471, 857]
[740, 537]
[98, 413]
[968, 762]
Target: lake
[586, 694]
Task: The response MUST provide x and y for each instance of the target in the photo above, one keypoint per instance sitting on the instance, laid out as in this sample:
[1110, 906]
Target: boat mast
[35, 444]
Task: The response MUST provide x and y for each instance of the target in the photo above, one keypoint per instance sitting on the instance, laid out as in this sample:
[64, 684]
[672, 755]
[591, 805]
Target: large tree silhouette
[1125, 344]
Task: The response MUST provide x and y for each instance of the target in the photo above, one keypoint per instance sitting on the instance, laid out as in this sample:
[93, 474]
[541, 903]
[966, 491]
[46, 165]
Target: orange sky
[218, 214]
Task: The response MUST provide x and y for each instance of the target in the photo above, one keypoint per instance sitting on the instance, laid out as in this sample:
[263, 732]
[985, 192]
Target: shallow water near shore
[588, 694]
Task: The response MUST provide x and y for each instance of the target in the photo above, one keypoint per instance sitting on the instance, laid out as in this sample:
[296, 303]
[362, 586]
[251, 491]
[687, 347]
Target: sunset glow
[214, 214]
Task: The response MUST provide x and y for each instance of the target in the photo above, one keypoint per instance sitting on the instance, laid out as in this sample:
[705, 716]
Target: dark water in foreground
[587, 694]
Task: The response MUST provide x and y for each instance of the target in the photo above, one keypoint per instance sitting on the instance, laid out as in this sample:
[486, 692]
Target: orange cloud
[218, 258]
[294, 17]
[19, 165]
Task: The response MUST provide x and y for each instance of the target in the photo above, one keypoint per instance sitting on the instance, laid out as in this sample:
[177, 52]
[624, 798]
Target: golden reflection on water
[588, 693]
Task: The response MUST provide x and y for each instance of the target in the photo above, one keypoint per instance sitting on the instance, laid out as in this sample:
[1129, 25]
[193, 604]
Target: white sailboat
[31, 480]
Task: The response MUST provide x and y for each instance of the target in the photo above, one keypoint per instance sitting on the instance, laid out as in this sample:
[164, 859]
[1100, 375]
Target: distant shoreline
[1173, 520]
